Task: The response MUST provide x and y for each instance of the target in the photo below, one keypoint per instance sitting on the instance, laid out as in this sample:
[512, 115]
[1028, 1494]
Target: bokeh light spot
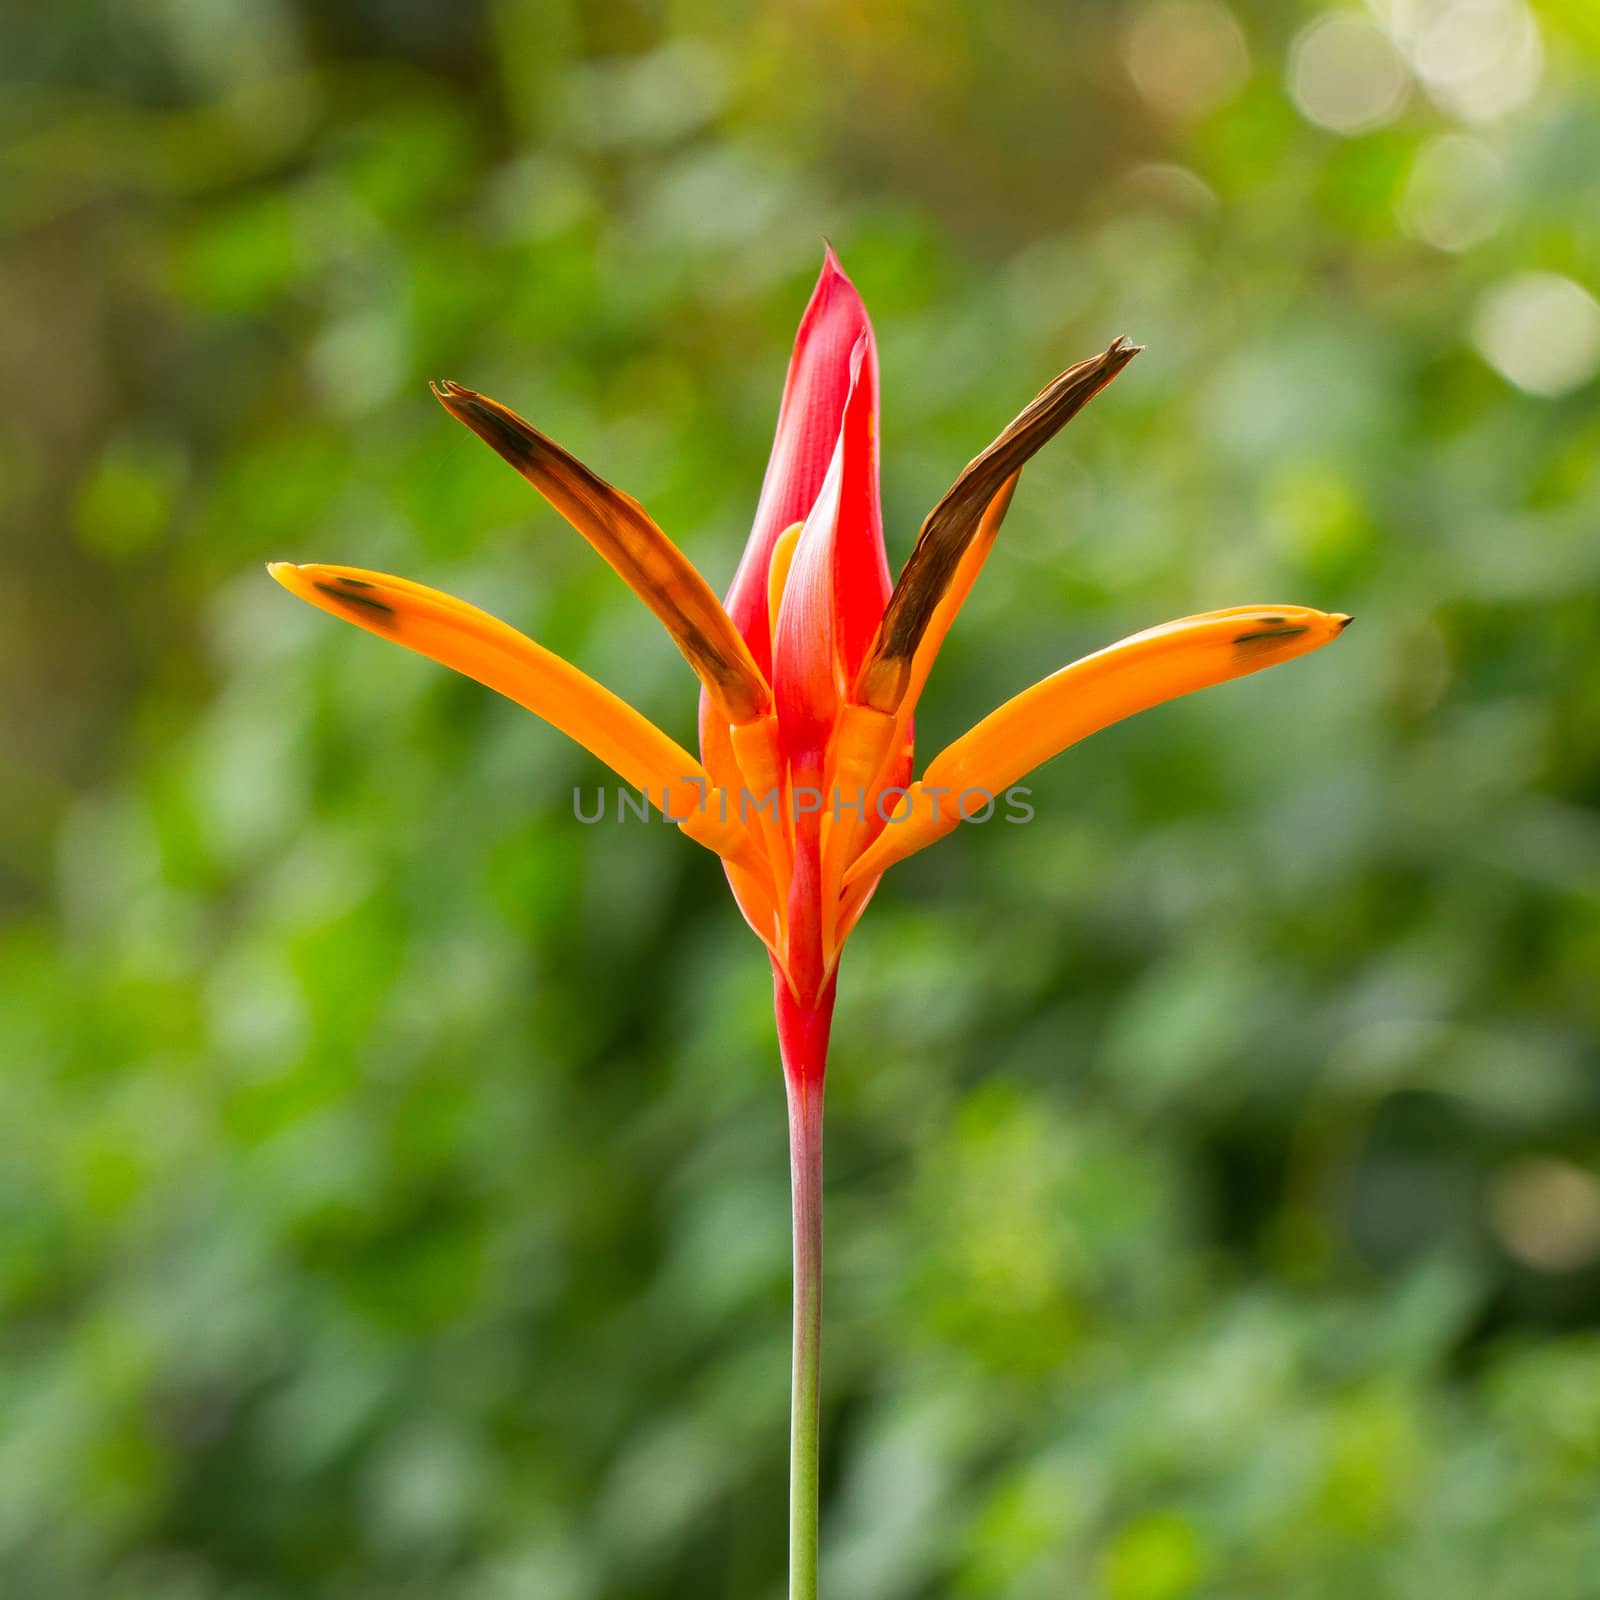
[1454, 196]
[1477, 59]
[1547, 1214]
[1345, 74]
[1540, 331]
[1187, 57]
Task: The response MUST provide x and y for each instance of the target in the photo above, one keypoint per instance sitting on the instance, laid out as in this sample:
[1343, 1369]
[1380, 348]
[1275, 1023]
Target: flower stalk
[803, 1043]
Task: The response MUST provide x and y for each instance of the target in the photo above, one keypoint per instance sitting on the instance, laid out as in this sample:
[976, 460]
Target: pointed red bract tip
[814, 394]
[838, 581]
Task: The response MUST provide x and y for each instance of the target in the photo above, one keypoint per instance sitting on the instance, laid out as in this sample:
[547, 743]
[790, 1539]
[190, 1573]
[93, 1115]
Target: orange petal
[482, 647]
[1140, 672]
[867, 740]
[952, 526]
[951, 602]
[641, 554]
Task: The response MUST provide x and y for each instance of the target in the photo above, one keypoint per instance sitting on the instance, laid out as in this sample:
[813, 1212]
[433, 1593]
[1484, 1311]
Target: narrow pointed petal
[1139, 672]
[493, 653]
[814, 395]
[952, 526]
[641, 554]
[955, 596]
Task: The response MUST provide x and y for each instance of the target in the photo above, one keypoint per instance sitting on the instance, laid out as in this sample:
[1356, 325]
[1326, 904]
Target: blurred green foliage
[393, 1199]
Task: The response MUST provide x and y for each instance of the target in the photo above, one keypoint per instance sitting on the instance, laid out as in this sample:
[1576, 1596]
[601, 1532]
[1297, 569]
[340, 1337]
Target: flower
[811, 671]
[810, 675]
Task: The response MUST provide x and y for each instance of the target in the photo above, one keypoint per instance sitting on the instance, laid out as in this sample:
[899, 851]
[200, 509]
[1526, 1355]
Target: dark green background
[392, 1184]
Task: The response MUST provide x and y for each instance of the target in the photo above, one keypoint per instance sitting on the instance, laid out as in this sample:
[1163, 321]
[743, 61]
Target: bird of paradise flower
[809, 677]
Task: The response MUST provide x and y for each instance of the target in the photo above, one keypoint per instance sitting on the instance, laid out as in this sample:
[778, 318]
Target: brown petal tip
[453, 396]
[954, 523]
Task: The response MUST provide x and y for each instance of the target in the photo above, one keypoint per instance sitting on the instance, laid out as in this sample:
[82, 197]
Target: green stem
[805, 1178]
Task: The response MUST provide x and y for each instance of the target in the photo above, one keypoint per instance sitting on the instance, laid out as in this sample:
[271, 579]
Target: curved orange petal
[482, 647]
[1137, 673]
